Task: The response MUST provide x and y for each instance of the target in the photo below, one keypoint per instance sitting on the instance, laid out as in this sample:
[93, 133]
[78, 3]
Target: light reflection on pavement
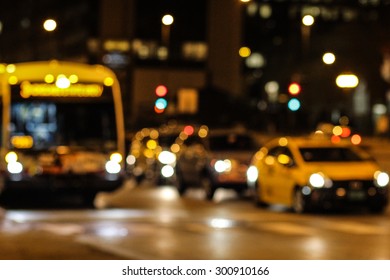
[147, 222]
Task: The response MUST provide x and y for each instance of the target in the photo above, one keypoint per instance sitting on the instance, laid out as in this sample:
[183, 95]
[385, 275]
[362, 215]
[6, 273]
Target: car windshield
[52, 124]
[71, 121]
[332, 154]
[167, 140]
[231, 142]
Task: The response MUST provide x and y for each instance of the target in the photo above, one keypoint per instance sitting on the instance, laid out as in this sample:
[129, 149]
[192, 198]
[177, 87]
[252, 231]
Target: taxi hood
[345, 171]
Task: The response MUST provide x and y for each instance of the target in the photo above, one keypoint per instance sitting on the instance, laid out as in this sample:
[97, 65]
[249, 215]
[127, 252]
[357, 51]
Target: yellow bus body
[43, 74]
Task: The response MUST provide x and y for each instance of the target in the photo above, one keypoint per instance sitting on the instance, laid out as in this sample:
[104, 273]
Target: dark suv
[219, 160]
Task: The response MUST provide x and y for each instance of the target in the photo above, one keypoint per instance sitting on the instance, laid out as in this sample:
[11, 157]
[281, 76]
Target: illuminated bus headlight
[113, 167]
[252, 174]
[317, 180]
[14, 167]
[166, 157]
[381, 179]
[167, 171]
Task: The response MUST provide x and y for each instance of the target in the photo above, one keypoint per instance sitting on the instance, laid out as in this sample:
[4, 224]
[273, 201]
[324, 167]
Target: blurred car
[306, 173]
[142, 154]
[219, 160]
[153, 152]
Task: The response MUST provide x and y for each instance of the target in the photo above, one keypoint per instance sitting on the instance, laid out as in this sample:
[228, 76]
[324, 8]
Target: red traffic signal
[294, 88]
[161, 90]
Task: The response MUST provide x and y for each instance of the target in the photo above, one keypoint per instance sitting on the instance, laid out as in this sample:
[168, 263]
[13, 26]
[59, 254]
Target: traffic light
[294, 88]
[294, 104]
[161, 102]
[161, 90]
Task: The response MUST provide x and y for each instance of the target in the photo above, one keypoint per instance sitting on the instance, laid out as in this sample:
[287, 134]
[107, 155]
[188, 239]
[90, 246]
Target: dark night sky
[358, 43]
[190, 20]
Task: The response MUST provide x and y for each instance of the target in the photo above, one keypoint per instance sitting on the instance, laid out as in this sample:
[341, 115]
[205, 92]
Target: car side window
[287, 158]
[283, 155]
[274, 151]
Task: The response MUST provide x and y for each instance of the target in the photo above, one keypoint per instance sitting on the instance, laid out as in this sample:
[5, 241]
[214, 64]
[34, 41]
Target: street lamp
[49, 25]
[328, 58]
[307, 22]
[347, 81]
[167, 21]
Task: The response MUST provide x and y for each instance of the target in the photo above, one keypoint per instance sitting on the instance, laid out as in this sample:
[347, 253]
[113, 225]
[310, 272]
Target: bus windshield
[51, 122]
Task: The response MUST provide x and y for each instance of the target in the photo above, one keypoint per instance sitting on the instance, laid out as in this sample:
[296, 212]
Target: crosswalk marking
[58, 223]
[62, 229]
[287, 228]
[296, 229]
[355, 228]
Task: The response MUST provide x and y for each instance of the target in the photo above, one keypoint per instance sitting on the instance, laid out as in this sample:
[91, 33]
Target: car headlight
[223, 165]
[381, 179]
[113, 165]
[166, 157]
[167, 171]
[13, 165]
[252, 174]
[317, 180]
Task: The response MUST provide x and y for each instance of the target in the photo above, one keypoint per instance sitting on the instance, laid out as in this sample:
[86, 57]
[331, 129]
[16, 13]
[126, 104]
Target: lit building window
[196, 51]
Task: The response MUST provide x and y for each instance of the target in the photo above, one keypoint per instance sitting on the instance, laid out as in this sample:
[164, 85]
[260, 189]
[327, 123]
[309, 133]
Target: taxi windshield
[331, 154]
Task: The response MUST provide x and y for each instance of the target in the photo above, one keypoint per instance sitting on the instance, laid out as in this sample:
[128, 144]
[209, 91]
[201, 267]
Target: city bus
[62, 130]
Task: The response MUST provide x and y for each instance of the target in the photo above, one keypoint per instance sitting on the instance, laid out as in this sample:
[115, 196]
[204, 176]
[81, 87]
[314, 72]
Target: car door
[279, 180]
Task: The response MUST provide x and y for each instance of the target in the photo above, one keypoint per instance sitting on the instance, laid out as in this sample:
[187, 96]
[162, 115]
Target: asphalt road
[148, 222]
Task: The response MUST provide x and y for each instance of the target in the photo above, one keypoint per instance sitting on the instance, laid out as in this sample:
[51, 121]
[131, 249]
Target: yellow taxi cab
[307, 173]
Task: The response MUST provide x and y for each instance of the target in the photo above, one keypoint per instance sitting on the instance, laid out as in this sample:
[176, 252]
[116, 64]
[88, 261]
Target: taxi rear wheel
[299, 204]
[257, 196]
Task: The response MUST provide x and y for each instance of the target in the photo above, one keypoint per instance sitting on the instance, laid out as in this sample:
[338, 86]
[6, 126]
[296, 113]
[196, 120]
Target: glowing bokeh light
[328, 58]
[347, 81]
[50, 25]
[356, 139]
[294, 104]
[244, 52]
[167, 19]
[308, 20]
